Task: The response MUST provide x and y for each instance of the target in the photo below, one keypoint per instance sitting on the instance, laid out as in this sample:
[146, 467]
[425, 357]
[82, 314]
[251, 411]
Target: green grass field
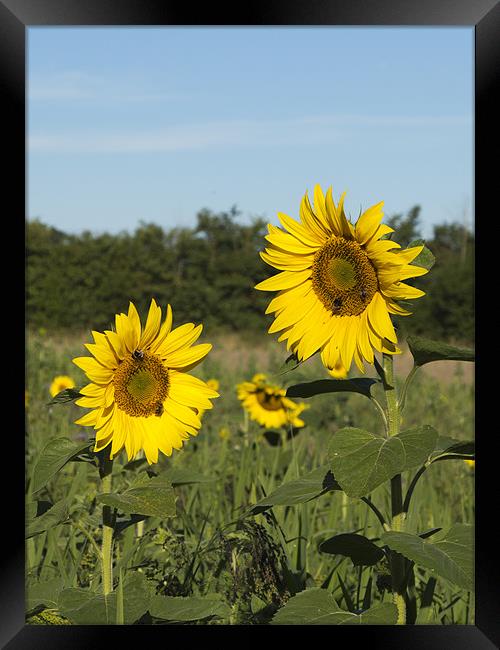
[253, 563]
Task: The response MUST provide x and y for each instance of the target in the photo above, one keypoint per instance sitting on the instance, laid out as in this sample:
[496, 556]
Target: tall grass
[255, 562]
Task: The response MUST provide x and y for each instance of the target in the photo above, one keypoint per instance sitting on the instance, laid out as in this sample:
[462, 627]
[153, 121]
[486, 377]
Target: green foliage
[318, 607]
[56, 515]
[308, 487]
[360, 549]
[185, 609]
[151, 497]
[207, 273]
[362, 461]
[84, 607]
[425, 350]
[360, 385]
[451, 557]
[54, 456]
[211, 546]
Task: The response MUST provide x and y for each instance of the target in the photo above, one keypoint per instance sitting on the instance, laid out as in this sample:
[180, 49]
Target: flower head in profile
[140, 393]
[338, 282]
[59, 383]
[267, 403]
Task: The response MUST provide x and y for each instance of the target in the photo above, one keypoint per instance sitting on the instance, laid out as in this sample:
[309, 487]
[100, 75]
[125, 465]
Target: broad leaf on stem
[318, 607]
[451, 557]
[358, 548]
[360, 385]
[307, 487]
[361, 461]
[53, 457]
[425, 350]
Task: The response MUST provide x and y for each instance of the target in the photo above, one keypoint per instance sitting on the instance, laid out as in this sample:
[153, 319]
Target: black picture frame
[484, 16]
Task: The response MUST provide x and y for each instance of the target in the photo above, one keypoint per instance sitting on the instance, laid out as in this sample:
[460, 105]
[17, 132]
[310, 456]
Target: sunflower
[141, 394]
[59, 383]
[338, 283]
[267, 403]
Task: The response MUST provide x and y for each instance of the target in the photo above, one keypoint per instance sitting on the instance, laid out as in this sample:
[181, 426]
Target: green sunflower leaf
[307, 487]
[425, 258]
[152, 497]
[425, 350]
[183, 476]
[318, 607]
[66, 395]
[291, 363]
[451, 557]
[361, 461]
[43, 593]
[450, 449]
[360, 385]
[84, 607]
[53, 457]
[360, 549]
[191, 608]
[58, 514]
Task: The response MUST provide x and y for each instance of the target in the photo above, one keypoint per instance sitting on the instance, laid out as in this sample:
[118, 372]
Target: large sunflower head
[267, 403]
[140, 392]
[338, 283]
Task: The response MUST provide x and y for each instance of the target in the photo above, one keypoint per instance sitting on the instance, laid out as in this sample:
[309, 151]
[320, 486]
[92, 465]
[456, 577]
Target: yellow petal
[188, 357]
[380, 320]
[152, 325]
[368, 223]
[284, 280]
[296, 229]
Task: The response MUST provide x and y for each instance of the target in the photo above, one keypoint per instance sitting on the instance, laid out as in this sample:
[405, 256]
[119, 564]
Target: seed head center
[269, 401]
[141, 385]
[343, 277]
[342, 273]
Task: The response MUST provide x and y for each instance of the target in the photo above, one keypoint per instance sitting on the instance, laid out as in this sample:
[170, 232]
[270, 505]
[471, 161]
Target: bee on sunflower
[338, 283]
[141, 394]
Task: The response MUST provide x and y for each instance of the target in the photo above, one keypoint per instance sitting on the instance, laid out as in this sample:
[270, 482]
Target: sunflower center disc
[269, 401]
[141, 385]
[343, 277]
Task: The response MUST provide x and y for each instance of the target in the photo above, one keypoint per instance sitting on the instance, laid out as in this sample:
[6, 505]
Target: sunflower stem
[397, 561]
[105, 472]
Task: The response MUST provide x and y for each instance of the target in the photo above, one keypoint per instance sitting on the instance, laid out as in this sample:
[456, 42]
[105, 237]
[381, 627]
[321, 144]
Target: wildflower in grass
[338, 283]
[141, 394]
[267, 403]
[224, 433]
[213, 383]
[470, 463]
[59, 383]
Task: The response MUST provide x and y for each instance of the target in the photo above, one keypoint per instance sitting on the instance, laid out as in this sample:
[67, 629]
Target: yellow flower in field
[224, 433]
[141, 394]
[213, 383]
[338, 282]
[267, 403]
[59, 383]
[470, 463]
[338, 371]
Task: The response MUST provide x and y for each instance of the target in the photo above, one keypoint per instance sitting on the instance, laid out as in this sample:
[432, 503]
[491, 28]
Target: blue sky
[153, 124]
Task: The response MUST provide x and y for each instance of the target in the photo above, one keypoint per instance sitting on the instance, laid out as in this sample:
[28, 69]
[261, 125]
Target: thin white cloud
[72, 86]
[231, 133]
